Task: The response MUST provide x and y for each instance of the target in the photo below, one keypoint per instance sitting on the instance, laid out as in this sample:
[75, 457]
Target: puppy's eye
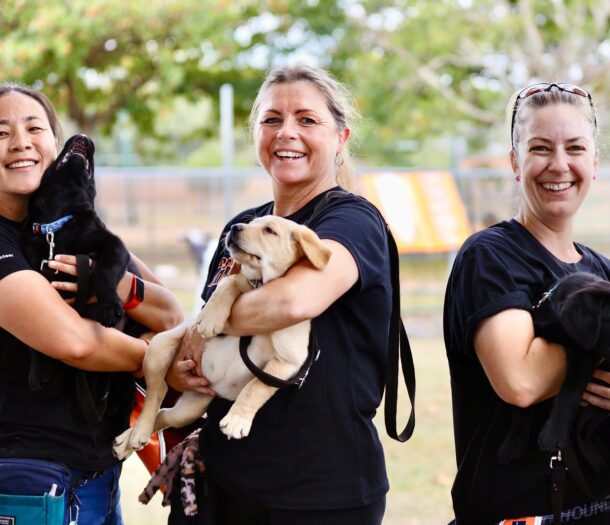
[267, 229]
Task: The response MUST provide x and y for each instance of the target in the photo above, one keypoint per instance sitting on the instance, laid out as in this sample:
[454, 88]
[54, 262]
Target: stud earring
[518, 178]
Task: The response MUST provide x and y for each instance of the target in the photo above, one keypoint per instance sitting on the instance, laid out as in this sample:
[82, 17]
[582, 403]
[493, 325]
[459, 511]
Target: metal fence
[163, 213]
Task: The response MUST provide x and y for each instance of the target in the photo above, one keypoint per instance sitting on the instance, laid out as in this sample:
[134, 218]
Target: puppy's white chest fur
[224, 368]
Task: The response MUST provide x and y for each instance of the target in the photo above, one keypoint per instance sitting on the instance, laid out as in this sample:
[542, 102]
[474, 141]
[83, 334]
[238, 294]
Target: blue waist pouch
[34, 492]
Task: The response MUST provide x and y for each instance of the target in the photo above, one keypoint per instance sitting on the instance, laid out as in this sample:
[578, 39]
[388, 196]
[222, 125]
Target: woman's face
[296, 136]
[557, 160]
[27, 144]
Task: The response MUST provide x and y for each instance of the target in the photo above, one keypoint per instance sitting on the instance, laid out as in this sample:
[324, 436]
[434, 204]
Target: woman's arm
[35, 313]
[303, 293]
[522, 369]
[158, 311]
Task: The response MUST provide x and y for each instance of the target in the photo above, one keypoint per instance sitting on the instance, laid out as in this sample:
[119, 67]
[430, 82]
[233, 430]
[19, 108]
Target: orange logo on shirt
[224, 268]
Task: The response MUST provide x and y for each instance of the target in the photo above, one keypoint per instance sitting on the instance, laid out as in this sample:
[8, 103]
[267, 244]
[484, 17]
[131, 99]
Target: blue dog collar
[51, 227]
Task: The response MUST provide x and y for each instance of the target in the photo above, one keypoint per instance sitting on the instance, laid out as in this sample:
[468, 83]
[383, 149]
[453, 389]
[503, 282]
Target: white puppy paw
[120, 446]
[140, 434]
[234, 426]
[210, 322]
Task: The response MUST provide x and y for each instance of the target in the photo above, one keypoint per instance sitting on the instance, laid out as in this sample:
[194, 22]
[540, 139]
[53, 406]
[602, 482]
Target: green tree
[98, 58]
[424, 69]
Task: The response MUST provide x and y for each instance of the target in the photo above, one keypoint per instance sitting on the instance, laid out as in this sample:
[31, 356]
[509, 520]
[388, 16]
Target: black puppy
[62, 219]
[575, 313]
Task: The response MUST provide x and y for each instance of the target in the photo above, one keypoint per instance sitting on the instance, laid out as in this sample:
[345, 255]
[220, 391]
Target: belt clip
[557, 461]
[74, 517]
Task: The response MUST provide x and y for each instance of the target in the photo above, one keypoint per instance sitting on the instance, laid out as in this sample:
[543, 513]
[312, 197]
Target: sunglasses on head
[545, 86]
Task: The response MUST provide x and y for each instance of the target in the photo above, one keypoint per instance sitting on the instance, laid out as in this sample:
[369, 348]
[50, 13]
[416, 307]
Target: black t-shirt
[496, 269]
[316, 447]
[47, 423]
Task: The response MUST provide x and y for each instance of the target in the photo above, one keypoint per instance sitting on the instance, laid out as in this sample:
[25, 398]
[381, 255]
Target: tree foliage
[419, 69]
[94, 58]
[425, 69]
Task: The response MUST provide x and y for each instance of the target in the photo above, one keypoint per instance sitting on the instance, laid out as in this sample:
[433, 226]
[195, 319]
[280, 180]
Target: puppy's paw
[120, 446]
[110, 312]
[140, 434]
[210, 322]
[234, 426]
[550, 439]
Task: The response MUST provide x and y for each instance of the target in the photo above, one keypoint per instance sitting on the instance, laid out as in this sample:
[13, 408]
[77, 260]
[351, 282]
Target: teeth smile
[289, 154]
[557, 187]
[21, 164]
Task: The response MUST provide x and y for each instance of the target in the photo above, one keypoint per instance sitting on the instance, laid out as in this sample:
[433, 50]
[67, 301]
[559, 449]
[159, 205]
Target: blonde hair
[517, 109]
[338, 100]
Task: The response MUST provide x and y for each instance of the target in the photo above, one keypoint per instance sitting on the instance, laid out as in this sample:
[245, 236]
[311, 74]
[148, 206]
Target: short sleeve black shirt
[316, 447]
[496, 269]
[46, 424]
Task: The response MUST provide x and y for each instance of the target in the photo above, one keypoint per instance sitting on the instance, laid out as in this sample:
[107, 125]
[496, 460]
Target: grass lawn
[421, 470]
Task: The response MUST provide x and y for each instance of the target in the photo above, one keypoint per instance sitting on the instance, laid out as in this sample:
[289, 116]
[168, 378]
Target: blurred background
[164, 89]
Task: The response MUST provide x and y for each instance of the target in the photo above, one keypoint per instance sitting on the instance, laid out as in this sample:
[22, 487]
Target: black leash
[84, 288]
[312, 355]
[558, 485]
[399, 351]
[92, 388]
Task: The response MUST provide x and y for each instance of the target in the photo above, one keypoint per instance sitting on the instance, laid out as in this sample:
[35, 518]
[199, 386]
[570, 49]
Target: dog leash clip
[301, 379]
[557, 461]
[546, 296]
[51, 241]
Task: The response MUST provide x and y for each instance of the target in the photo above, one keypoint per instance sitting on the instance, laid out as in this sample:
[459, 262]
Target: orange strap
[160, 443]
[532, 520]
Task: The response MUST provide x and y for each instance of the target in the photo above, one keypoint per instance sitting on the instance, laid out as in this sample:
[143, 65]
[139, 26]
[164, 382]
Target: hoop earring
[339, 160]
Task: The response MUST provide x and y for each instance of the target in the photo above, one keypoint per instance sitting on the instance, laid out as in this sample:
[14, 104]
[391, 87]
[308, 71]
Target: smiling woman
[313, 455]
[495, 357]
[555, 159]
[28, 145]
[297, 139]
[40, 413]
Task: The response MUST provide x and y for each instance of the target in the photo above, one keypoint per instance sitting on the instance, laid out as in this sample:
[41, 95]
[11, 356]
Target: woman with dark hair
[46, 424]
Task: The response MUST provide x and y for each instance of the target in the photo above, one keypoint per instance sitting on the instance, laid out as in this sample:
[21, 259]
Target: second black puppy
[62, 219]
[575, 313]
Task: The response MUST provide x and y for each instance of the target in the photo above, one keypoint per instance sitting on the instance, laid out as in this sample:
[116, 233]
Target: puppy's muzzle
[233, 235]
[81, 147]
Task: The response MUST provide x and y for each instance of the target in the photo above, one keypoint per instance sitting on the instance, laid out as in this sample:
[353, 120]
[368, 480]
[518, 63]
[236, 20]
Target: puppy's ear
[581, 318]
[313, 248]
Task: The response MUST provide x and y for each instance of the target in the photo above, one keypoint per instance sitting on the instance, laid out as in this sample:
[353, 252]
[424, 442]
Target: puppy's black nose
[235, 230]
[233, 234]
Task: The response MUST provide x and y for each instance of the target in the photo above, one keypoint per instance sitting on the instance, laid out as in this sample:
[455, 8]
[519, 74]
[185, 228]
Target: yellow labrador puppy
[265, 249]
